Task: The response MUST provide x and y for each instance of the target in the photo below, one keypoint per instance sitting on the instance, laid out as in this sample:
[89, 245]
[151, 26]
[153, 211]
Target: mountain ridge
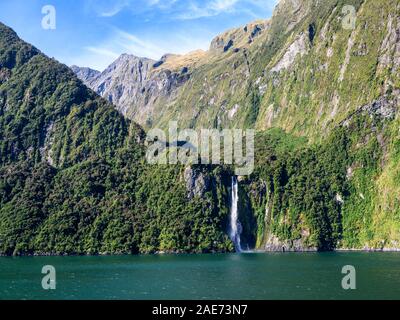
[302, 39]
[167, 74]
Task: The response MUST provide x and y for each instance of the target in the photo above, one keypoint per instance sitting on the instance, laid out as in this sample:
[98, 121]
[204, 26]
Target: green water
[230, 276]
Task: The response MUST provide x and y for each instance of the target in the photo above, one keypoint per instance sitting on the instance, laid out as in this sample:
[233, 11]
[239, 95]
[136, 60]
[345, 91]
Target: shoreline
[385, 250]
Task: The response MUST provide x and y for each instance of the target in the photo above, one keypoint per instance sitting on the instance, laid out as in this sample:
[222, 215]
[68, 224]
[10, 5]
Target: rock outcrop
[384, 108]
[197, 182]
[299, 47]
[273, 244]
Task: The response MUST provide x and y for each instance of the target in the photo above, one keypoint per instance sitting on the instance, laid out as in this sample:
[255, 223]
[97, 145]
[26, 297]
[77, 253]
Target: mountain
[85, 74]
[132, 80]
[269, 73]
[324, 101]
[141, 87]
[73, 177]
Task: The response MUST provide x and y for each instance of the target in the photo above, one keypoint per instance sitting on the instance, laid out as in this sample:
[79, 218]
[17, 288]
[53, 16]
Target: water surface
[226, 276]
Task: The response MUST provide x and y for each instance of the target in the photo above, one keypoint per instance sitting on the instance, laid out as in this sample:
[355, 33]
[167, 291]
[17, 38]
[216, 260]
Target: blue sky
[94, 33]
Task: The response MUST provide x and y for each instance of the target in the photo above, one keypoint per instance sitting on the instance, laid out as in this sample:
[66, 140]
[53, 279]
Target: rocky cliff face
[135, 84]
[274, 244]
[197, 182]
[85, 74]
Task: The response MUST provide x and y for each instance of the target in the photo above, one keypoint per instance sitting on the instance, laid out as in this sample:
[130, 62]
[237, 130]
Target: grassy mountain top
[177, 62]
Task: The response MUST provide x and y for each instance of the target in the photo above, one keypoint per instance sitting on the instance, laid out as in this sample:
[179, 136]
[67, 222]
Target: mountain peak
[7, 30]
[18, 51]
[131, 57]
[84, 73]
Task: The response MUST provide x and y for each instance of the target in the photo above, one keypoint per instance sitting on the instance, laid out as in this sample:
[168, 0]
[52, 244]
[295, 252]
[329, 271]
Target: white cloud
[180, 9]
[222, 5]
[103, 52]
[132, 44]
[162, 4]
[106, 8]
[207, 9]
[182, 36]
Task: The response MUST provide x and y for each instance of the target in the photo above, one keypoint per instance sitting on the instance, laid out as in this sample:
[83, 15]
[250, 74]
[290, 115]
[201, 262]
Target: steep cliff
[85, 74]
[303, 71]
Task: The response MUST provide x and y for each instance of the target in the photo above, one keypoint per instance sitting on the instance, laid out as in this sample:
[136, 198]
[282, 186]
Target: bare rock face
[390, 47]
[383, 108]
[5, 74]
[46, 151]
[85, 74]
[275, 245]
[299, 47]
[197, 183]
[123, 81]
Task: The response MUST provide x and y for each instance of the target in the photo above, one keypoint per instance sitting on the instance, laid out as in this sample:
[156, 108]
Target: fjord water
[225, 276]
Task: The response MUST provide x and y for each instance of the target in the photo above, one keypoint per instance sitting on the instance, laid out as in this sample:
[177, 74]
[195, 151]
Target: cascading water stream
[235, 226]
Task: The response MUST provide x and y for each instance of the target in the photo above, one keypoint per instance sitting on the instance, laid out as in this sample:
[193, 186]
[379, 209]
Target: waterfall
[235, 226]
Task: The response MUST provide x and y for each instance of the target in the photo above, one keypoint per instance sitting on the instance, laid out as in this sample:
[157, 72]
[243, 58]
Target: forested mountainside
[73, 179]
[341, 193]
[324, 98]
[324, 101]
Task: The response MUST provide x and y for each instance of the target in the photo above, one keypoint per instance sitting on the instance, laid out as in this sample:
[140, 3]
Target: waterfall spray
[235, 226]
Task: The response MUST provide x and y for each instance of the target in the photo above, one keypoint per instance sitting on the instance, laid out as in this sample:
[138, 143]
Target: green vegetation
[327, 195]
[73, 179]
